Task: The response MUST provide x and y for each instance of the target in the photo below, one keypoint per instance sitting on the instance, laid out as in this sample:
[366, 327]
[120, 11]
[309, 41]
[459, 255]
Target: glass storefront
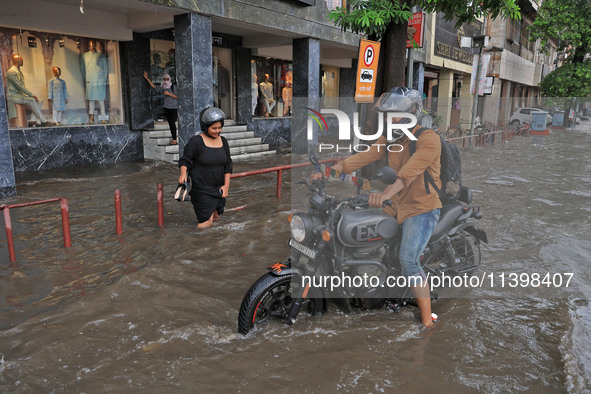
[223, 86]
[272, 87]
[53, 79]
[162, 61]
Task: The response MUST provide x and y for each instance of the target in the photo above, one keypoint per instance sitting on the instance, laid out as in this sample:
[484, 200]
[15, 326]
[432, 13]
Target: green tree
[387, 21]
[569, 80]
[566, 24]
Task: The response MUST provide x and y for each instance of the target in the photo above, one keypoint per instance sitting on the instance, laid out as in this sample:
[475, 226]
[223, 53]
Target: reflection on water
[156, 309]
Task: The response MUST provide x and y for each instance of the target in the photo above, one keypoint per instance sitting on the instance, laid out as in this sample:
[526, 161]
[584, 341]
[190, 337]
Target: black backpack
[451, 169]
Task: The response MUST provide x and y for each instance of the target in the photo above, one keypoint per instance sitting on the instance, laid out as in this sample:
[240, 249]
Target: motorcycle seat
[449, 213]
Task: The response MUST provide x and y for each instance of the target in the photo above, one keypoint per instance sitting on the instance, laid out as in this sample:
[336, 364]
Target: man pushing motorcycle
[416, 205]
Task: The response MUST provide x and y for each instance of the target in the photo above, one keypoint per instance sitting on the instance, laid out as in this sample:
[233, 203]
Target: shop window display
[52, 79]
[162, 61]
[272, 87]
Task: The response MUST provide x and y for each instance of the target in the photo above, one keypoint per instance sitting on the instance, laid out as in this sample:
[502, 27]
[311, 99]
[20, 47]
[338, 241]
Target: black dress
[207, 168]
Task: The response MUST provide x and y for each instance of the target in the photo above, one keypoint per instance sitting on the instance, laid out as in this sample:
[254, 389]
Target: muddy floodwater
[155, 309]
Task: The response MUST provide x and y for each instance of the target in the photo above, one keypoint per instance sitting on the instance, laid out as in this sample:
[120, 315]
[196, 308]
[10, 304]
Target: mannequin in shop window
[254, 93]
[57, 93]
[287, 95]
[17, 93]
[94, 71]
[266, 88]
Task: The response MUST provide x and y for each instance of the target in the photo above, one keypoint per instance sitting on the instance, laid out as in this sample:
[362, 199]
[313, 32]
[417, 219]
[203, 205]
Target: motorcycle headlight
[298, 228]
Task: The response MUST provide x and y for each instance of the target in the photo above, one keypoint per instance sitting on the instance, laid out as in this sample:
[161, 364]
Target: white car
[524, 114]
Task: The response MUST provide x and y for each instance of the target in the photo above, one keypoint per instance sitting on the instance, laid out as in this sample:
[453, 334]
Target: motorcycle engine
[369, 253]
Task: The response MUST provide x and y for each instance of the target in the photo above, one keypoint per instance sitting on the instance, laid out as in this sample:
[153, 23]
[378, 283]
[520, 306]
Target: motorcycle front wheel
[271, 297]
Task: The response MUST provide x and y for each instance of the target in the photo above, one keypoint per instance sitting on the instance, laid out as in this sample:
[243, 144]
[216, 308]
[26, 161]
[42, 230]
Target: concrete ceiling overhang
[119, 19]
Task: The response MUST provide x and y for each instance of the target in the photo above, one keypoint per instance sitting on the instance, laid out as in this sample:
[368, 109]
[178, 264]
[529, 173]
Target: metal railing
[8, 222]
[279, 170]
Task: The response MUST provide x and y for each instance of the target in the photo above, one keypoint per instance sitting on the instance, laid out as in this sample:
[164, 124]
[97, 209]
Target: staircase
[243, 144]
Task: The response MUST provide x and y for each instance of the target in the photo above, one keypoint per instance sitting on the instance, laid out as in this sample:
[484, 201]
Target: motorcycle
[345, 238]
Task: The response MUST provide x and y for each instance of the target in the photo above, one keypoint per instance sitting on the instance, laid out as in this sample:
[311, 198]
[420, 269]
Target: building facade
[217, 53]
[516, 66]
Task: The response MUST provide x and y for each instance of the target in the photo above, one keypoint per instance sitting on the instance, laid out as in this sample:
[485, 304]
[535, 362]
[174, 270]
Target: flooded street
[155, 310]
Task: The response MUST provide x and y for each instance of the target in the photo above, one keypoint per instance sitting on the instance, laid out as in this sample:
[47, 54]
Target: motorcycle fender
[282, 269]
[472, 230]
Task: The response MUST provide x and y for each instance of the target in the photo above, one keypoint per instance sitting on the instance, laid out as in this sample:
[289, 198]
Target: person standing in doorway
[170, 102]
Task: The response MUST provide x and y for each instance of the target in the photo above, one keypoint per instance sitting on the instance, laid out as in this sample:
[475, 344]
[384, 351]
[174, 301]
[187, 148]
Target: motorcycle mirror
[313, 159]
[387, 175]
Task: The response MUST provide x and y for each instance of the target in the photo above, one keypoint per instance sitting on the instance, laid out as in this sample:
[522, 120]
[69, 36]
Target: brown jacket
[413, 199]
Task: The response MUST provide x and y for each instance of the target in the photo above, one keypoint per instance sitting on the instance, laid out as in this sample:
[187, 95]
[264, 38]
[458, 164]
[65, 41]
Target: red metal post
[160, 188]
[279, 174]
[66, 222]
[9, 238]
[118, 221]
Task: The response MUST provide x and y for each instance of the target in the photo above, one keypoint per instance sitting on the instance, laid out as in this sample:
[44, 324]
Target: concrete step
[157, 133]
[243, 142]
[247, 156]
[239, 150]
[232, 129]
[237, 135]
[171, 148]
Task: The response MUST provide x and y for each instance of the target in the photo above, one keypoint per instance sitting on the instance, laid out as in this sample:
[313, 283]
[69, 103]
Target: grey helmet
[401, 99]
[209, 116]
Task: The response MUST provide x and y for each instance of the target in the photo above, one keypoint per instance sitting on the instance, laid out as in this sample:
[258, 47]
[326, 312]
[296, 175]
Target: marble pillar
[306, 89]
[243, 85]
[135, 61]
[347, 102]
[7, 180]
[193, 49]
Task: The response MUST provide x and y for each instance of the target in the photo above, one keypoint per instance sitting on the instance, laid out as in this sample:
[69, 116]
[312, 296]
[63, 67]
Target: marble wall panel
[48, 148]
[7, 181]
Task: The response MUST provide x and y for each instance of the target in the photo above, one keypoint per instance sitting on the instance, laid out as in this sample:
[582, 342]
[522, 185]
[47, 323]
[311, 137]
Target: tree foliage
[568, 24]
[569, 80]
[387, 21]
[372, 17]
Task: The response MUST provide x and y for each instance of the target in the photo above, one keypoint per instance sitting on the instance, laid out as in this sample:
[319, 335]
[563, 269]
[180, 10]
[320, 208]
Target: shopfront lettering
[457, 54]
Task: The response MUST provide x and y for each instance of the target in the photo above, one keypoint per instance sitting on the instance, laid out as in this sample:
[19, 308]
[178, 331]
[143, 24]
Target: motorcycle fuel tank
[365, 227]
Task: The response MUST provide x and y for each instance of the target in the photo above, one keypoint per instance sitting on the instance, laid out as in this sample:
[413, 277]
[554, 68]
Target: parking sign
[367, 69]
